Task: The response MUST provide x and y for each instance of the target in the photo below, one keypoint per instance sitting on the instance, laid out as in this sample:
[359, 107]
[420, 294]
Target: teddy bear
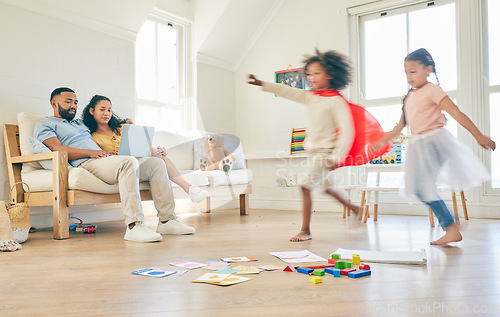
[216, 156]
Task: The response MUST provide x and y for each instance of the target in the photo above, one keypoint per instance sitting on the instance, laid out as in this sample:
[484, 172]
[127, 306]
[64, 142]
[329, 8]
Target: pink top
[423, 112]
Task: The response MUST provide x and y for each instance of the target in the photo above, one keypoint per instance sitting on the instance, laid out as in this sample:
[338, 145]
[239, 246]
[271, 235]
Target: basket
[7, 242]
[19, 214]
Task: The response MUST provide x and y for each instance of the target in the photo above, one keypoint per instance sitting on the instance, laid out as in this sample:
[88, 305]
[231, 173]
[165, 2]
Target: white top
[330, 125]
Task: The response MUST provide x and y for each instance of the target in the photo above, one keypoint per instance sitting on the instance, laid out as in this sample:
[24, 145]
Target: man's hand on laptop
[97, 154]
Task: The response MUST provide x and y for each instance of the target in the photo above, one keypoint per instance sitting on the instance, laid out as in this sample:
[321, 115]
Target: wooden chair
[60, 198]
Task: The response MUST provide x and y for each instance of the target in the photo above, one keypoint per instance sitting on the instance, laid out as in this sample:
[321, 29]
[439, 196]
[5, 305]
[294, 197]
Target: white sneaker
[142, 233]
[174, 227]
[197, 195]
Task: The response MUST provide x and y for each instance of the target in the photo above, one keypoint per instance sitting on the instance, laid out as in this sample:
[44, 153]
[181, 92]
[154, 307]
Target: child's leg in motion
[446, 222]
[305, 231]
[335, 193]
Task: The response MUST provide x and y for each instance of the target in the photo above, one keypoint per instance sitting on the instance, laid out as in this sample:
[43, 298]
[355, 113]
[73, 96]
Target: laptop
[136, 140]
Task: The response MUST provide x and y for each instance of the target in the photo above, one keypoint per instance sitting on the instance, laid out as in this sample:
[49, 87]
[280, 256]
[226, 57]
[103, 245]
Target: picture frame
[290, 77]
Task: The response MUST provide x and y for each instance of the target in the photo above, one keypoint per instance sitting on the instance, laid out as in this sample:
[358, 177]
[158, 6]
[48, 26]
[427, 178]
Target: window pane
[145, 52]
[384, 50]
[170, 119]
[147, 115]
[495, 135]
[439, 22]
[387, 116]
[168, 65]
[494, 41]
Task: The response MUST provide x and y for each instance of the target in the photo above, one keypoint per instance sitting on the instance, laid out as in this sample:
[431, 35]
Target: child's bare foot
[452, 235]
[301, 236]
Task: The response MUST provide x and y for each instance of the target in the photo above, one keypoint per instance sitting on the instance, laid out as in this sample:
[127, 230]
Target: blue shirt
[73, 134]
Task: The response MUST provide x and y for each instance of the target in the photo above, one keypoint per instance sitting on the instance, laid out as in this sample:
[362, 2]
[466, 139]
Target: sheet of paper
[211, 278]
[153, 272]
[240, 259]
[226, 270]
[394, 257]
[303, 256]
[270, 267]
[242, 269]
[188, 264]
[214, 267]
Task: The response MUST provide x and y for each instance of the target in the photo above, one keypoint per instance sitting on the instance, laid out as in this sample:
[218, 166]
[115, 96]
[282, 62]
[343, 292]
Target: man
[62, 133]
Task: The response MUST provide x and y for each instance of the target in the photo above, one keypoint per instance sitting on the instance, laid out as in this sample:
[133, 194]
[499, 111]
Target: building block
[305, 270]
[332, 261]
[363, 266]
[315, 279]
[359, 273]
[289, 268]
[336, 273]
[348, 265]
[319, 272]
[356, 259]
[340, 265]
[335, 256]
[329, 270]
[346, 271]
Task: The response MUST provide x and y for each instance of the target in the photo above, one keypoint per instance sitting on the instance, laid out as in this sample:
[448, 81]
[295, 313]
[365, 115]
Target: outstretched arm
[389, 135]
[449, 106]
[294, 94]
[252, 80]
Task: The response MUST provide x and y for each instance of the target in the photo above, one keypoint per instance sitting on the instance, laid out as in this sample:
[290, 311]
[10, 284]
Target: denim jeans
[442, 213]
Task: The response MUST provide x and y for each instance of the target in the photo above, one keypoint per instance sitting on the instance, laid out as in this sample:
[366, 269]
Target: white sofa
[182, 151]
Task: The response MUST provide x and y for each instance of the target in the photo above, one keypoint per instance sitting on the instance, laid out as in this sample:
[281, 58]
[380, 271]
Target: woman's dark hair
[114, 123]
[337, 67]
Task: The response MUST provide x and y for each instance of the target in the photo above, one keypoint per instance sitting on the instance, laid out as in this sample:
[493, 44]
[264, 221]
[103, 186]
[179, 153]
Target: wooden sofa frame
[60, 198]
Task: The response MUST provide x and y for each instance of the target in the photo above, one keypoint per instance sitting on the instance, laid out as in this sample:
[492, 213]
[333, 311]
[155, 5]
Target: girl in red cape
[336, 134]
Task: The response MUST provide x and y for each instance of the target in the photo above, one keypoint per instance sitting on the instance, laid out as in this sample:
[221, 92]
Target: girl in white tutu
[434, 155]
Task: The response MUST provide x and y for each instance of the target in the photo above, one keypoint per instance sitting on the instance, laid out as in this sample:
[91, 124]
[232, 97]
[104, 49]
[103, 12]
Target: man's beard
[64, 113]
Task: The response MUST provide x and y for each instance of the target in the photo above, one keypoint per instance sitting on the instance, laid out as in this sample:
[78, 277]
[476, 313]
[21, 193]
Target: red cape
[367, 131]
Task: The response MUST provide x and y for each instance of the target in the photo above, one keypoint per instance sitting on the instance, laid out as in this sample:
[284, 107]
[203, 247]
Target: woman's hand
[252, 80]
[129, 121]
[158, 151]
[486, 142]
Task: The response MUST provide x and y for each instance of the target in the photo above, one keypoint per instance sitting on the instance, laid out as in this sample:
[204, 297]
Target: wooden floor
[90, 275]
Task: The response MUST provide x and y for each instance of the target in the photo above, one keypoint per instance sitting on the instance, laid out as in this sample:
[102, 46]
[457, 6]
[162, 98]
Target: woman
[106, 130]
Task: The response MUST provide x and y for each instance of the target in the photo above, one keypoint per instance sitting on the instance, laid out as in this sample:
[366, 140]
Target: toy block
[315, 279]
[336, 273]
[340, 265]
[356, 259]
[346, 271]
[329, 270]
[305, 270]
[289, 268]
[348, 265]
[359, 273]
[332, 261]
[319, 272]
[363, 266]
[335, 256]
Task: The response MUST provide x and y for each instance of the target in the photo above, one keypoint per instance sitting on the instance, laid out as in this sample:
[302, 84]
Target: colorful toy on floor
[356, 259]
[360, 273]
[305, 270]
[318, 272]
[315, 279]
[289, 268]
[347, 271]
[363, 266]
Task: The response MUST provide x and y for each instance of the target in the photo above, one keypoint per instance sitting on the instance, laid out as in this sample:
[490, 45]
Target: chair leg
[455, 207]
[205, 206]
[366, 208]
[375, 212]
[344, 212]
[431, 218]
[243, 204]
[464, 205]
[60, 210]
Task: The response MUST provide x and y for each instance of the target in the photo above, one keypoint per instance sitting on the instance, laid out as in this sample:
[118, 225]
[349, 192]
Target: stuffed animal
[216, 156]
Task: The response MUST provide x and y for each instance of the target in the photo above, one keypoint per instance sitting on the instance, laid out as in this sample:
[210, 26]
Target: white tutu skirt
[438, 159]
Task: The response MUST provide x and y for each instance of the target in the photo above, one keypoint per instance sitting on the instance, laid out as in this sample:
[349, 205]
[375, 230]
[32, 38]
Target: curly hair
[114, 122]
[337, 67]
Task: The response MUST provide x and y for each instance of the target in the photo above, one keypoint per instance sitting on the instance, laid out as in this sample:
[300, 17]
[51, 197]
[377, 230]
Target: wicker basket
[19, 214]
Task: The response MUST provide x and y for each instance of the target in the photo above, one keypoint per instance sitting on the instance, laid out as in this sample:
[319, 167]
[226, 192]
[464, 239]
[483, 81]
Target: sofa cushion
[39, 147]
[231, 143]
[26, 122]
[194, 177]
[234, 177]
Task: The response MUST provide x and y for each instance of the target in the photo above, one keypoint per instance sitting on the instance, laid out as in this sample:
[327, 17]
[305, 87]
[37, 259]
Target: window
[161, 70]
[492, 83]
[386, 37]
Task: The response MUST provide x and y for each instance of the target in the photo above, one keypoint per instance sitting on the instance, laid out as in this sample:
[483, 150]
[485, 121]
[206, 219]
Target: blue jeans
[442, 213]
